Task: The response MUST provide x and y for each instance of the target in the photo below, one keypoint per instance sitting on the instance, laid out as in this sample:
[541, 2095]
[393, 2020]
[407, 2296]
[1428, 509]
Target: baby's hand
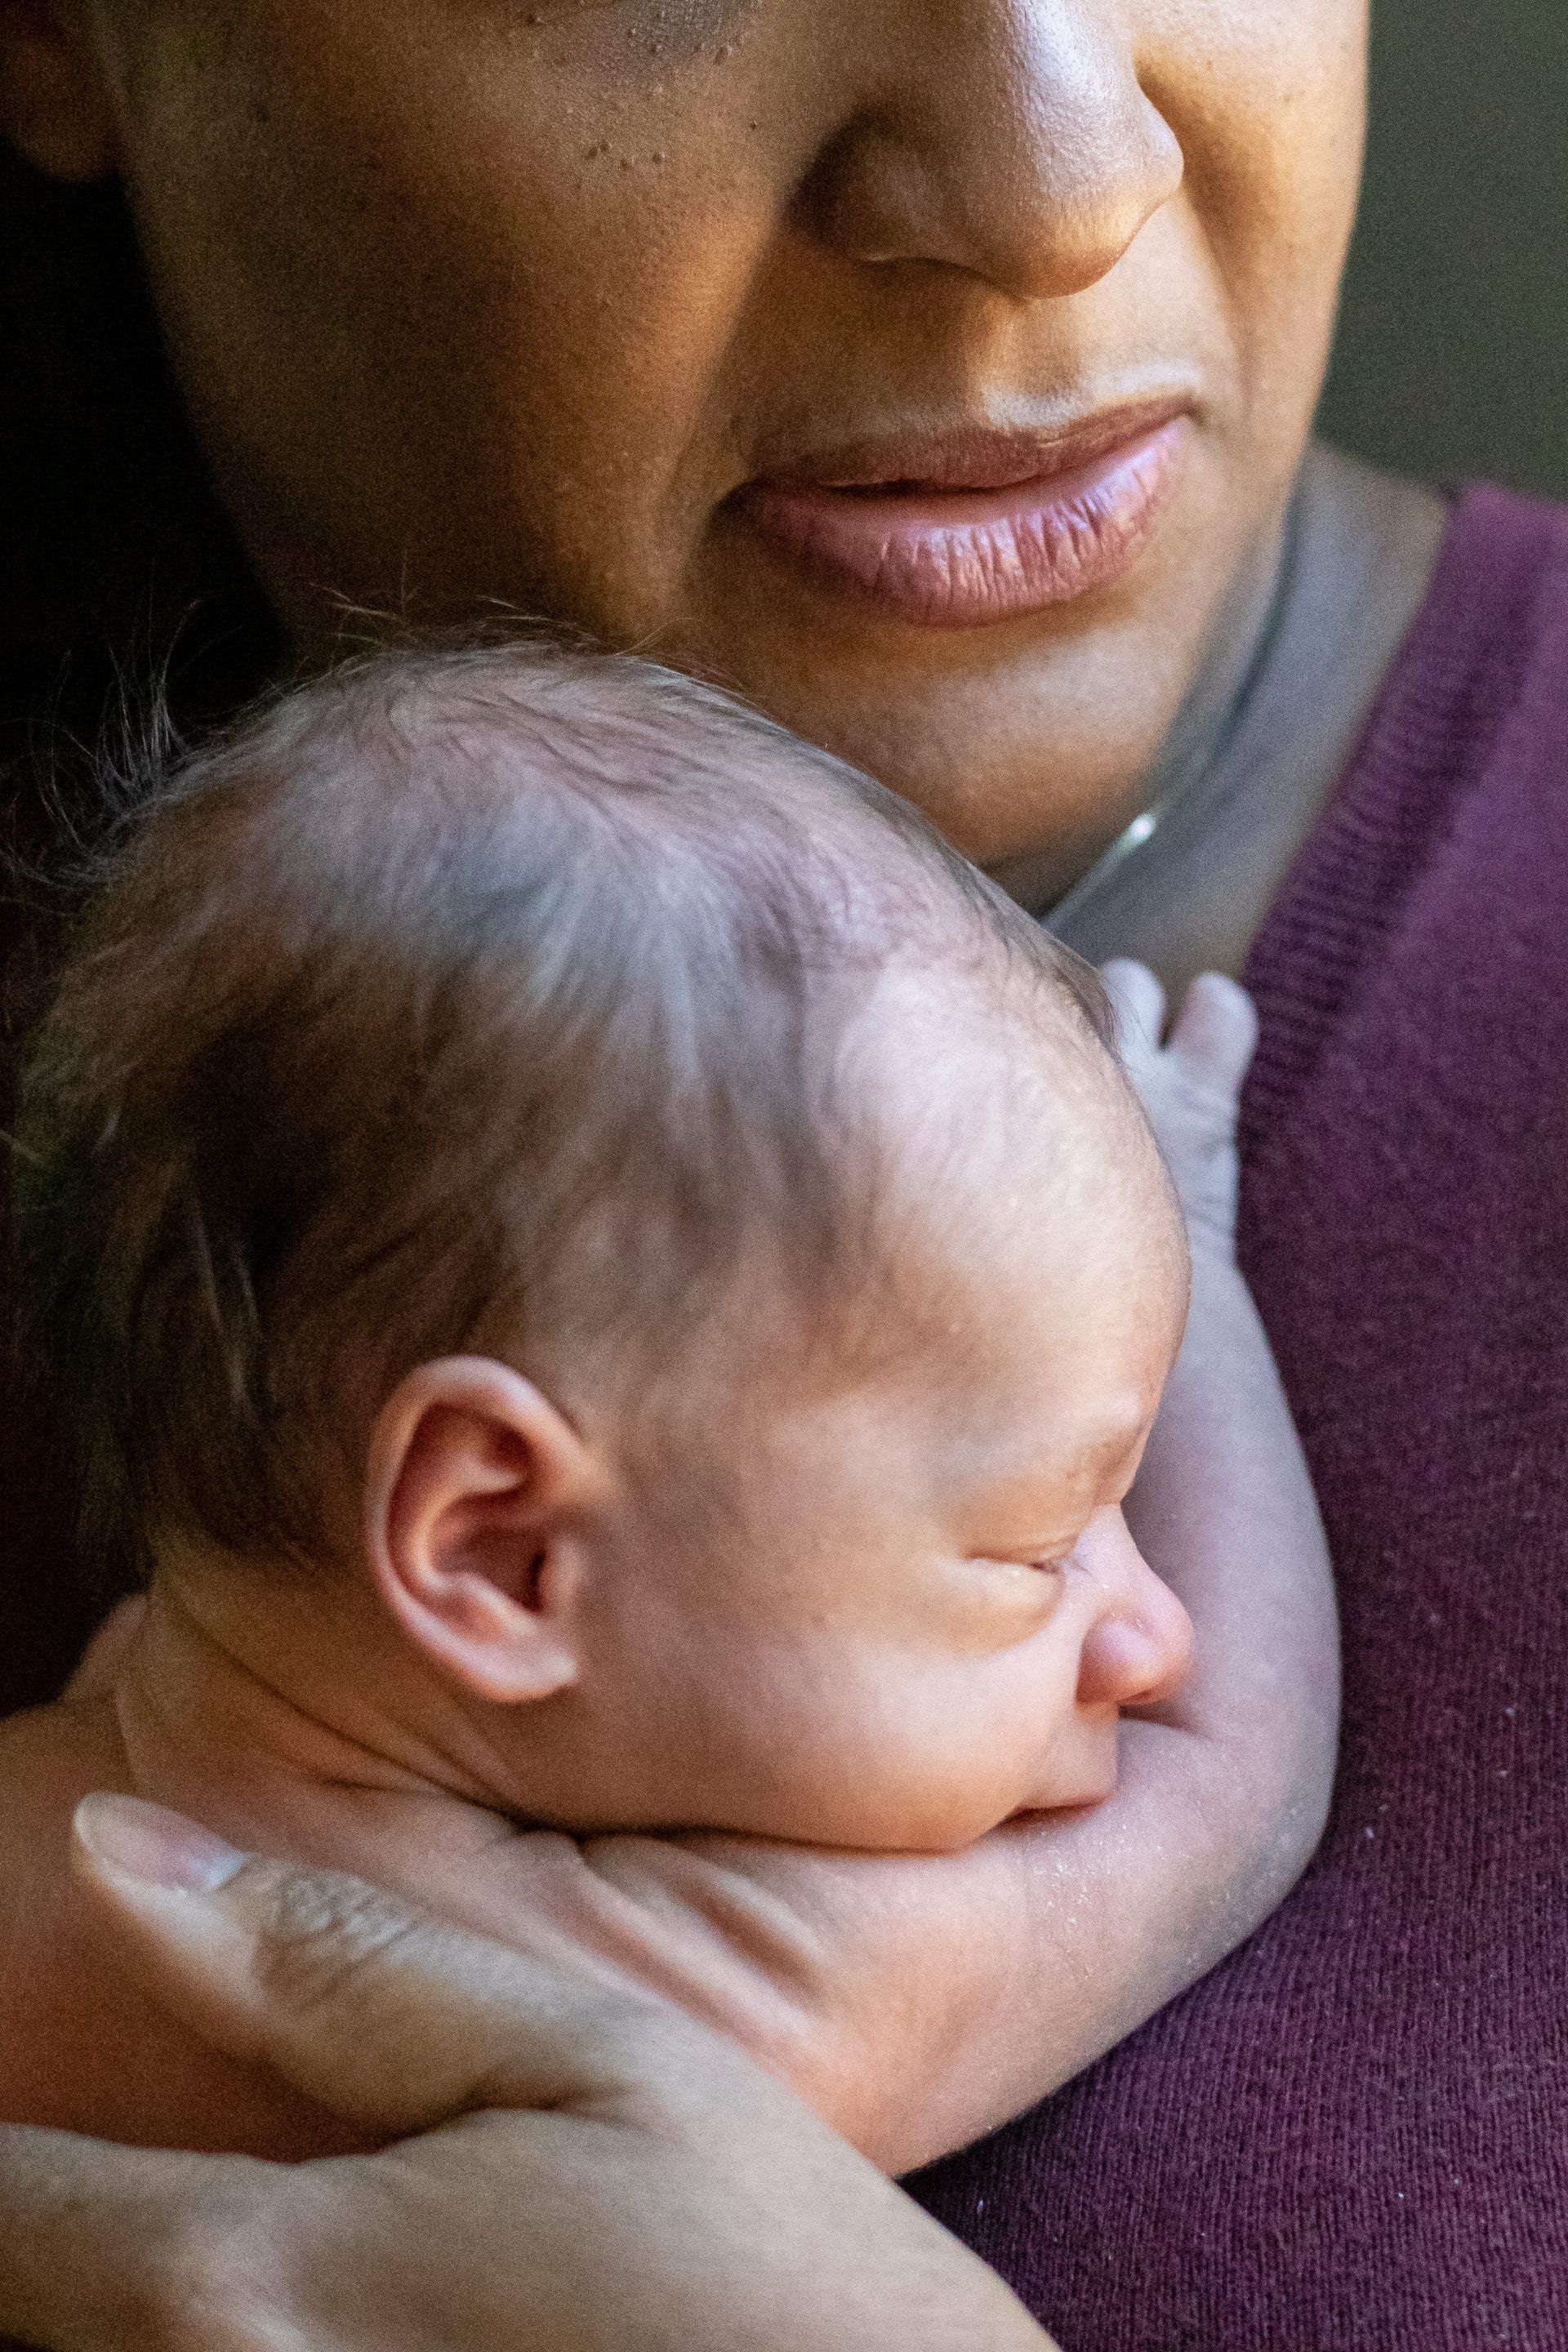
[1189, 1086]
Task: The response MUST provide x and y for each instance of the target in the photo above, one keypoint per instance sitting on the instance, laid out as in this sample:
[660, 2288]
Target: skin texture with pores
[481, 301]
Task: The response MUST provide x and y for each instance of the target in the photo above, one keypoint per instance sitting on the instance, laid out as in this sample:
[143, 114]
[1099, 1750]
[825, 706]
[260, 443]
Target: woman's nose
[1012, 140]
[1140, 1645]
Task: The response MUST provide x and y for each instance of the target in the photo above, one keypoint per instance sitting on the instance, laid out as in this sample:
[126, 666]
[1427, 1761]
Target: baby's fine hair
[466, 998]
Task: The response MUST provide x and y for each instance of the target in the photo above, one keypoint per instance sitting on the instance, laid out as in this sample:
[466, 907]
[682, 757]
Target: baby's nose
[1140, 1647]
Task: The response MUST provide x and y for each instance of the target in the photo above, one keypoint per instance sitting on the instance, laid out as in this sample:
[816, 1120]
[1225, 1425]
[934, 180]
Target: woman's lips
[978, 529]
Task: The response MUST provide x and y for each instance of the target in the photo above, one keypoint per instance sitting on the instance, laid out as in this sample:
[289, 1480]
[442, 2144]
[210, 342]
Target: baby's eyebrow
[1108, 1430]
[1052, 1487]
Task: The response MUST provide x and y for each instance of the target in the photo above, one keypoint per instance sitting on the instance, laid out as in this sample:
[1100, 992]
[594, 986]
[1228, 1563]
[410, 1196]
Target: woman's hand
[572, 2169]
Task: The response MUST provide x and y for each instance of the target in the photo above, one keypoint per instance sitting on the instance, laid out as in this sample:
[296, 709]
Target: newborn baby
[616, 1289]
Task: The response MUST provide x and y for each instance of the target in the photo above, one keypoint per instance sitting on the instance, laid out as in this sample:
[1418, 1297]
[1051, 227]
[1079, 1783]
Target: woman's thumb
[385, 2016]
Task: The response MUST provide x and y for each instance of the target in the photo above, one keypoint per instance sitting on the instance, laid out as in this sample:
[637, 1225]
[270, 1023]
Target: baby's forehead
[1006, 1152]
[966, 1059]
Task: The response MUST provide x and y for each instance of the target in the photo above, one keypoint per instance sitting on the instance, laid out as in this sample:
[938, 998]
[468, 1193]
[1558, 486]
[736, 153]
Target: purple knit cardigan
[1353, 2136]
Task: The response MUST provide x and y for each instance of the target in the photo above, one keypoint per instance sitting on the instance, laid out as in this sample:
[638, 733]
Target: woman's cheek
[1267, 99]
[445, 241]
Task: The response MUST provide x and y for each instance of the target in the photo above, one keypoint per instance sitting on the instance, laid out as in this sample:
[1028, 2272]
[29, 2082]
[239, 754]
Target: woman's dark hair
[117, 557]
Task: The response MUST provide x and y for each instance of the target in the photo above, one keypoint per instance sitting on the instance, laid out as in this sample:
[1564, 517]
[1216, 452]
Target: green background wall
[1453, 351]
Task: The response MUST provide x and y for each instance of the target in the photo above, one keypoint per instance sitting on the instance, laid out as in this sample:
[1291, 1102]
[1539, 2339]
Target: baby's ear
[480, 1500]
[55, 104]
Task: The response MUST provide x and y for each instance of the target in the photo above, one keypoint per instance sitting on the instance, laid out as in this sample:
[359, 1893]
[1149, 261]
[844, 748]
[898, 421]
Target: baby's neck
[274, 1726]
[292, 1727]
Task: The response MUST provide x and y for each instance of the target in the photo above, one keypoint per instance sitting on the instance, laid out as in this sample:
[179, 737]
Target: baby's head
[596, 1195]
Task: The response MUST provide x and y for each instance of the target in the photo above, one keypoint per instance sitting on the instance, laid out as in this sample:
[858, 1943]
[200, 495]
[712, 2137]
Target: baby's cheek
[1081, 1769]
[967, 1756]
[904, 1774]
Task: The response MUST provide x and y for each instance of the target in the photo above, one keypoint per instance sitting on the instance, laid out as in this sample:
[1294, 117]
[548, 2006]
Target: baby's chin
[886, 1803]
[1089, 1779]
[953, 1835]
[1077, 1799]
[946, 1827]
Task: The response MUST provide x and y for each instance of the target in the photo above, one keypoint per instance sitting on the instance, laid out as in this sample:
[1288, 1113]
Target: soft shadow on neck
[1268, 729]
[304, 1740]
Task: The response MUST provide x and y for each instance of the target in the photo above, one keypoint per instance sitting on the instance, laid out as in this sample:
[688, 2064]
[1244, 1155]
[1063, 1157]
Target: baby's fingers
[1138, 1001]
[1214, 1035]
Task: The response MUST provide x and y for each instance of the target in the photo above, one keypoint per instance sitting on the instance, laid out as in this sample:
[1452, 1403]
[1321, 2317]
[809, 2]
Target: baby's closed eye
[1026, 1585]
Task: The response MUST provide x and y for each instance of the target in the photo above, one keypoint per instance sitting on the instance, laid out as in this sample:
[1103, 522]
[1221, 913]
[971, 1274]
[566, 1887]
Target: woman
[943, 375]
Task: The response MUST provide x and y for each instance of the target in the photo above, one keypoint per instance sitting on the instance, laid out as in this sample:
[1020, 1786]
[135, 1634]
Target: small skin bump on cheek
[629, 38]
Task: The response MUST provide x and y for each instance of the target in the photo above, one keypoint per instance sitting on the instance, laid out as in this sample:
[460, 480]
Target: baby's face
[896, 1602]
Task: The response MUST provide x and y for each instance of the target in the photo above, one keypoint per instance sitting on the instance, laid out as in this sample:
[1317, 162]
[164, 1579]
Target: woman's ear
[54, 103]
[478, 1502]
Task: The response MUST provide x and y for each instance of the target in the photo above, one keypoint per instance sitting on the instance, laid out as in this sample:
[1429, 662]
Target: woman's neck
[1266, 733]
